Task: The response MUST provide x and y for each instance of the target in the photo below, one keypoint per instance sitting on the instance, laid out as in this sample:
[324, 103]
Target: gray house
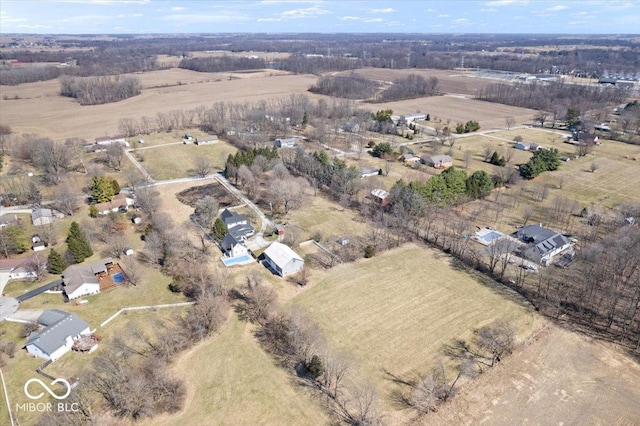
[41, 217]
[286, 142]
[60, 330]
[237, 224]
[282, 259]
[542, 244]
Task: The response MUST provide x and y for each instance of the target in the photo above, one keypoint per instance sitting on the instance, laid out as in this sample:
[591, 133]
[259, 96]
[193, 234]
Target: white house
[60, 330]
[111, 140]
[206, 141]
[41, 217]
[233, 247]
[542, 244]
[410, 118]
[286, 142]
[237, 224]
[368, 172]
[21, 268]
[118, 203]
[82, 280]
[282, 259]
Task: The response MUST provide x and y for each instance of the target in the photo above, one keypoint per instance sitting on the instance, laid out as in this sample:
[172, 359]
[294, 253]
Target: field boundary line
[6, 397]
[140, 308]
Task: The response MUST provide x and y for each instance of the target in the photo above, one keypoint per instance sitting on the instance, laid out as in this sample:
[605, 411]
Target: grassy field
[176, 161]
[326, 217]
[231, 380]
[395, 311]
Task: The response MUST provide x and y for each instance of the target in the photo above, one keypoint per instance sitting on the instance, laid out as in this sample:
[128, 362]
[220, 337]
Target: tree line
[351, 86]
[222, 64]
[409, 87]
[100, 90]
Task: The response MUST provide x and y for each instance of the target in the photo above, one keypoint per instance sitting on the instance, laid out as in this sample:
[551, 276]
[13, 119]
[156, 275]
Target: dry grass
[60, 118]
[231, 380]
[326, 217]
[177, 161]
[395, 311]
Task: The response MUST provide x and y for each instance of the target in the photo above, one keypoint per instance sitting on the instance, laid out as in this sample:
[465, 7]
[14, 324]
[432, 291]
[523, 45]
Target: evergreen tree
[101, 189]
[77, 243]
[315, 367]
[219, 229]
[479, 184]
[116, 186]
[55, 263]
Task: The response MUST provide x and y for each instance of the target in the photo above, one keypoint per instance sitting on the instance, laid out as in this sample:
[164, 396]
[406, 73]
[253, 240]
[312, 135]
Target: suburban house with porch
[60, 331]
[541, 244]
[233, 247]
[437, 161]
[86, 280]
[281, 259]
[23, 268]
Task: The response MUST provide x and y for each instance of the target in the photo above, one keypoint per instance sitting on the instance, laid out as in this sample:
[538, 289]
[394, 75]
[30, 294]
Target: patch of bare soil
[559, 378]
[191, 195]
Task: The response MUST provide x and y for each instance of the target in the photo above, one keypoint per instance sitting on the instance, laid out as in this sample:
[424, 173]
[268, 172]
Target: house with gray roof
[233, 247]
[282, 259]
[438, 161]
[82, 280]
[60, 330]
[41, 217]
[237, 224]
[542, 244]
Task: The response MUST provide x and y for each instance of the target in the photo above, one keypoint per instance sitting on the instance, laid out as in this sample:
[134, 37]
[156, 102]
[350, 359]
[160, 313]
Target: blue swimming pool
[118, 278]
[237, 260]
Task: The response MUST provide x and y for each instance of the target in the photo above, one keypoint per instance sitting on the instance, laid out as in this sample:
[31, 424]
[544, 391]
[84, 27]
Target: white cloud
[557, 8]
[387, 10]
[187, 18]
[178, 8]
[499, 3]
[101, 1]
[269, 19]
[443, 15]
[309, 12]
[349, 18]
[374, 20]
[461, 21]
[288, 1]
[489, 10]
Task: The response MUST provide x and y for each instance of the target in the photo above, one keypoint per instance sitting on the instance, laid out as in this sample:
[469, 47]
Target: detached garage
[282, 259]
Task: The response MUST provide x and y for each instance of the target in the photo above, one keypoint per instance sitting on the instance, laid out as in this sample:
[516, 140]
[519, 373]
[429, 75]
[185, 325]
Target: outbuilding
[282, 259]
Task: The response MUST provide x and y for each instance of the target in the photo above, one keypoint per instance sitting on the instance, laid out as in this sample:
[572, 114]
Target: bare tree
[541, 117]
[467, 158]
[510, 122]
[148, 199]
[66, 198]
[288, 193]
[206, 211]
[202, 166]
[38, 265]
[593, 167]
[527, 212]
[116, 244]
[132, 270]
[114, 155]
[487, 151]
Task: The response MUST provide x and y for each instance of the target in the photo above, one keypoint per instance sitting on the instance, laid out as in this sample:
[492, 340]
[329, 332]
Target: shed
[129, 251]
[279, 230]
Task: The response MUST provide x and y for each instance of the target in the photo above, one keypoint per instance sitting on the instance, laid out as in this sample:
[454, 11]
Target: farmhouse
[85, 280]
[57, 337]
[119, 203]
[380, 196]
[206, 141]
[282, 259]
[542, 244]
[237, 224]
[111, 140]
[233, 247]
[368, 172]
[437, 161]
[286, 142]
[41, 217]
[9, 220]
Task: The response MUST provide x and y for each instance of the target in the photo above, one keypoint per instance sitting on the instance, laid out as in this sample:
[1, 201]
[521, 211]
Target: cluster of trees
[299, 345]
[542, 160]
[554, 97]
[450, 185]
[352, 86]
[469, 126]
[100, 90]
[497, 159]
[487, 347]
[103, 188]
[412, 86]
[222, 64]
[12, 240]
[302, 64]
[15, 76]
[249, 156]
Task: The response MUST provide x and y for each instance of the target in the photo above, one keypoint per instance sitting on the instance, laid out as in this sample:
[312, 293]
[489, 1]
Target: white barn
[282, 259]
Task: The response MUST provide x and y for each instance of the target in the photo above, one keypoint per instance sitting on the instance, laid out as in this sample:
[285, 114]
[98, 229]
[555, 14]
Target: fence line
[140, 308]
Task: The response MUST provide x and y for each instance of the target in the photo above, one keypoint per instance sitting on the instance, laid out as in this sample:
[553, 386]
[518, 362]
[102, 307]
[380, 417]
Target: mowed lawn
[177, 161]
[395, 311]
[230, 380]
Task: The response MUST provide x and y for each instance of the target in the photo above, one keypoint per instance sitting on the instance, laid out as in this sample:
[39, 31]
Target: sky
[325, 16]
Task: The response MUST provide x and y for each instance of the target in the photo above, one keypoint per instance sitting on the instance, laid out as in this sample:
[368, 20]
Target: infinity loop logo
[47, 388]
